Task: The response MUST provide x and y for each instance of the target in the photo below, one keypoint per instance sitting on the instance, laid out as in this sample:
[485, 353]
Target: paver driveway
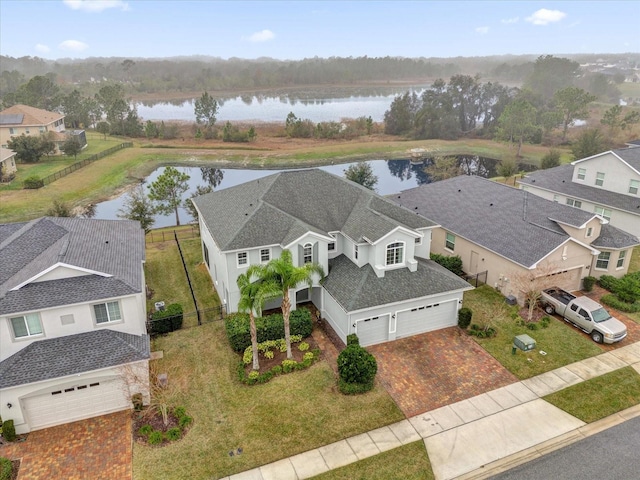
[428, 371]
[99, 448]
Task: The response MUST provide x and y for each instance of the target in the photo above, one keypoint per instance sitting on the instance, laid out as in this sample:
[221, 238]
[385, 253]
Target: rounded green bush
[155, 437]
[179, 412]
[8, 431]
[185, 421]
[356, 365]
[464, 317]
[145, 430]
[173, 434]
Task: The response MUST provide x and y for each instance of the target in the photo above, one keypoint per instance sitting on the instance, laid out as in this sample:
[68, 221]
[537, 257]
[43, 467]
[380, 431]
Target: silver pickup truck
[584, 313]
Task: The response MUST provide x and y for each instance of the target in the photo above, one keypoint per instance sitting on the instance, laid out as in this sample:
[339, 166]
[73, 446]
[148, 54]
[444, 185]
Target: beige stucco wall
[31, 130]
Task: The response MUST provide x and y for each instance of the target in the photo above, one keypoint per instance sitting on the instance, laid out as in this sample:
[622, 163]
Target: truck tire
[596, 336]
[549, 309]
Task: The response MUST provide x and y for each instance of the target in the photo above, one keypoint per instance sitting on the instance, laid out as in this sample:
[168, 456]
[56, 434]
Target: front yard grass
[561, 343]
[291, 414]
[601, 396]
[409, 462]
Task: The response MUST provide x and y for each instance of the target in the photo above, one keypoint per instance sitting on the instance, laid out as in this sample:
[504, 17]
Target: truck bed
[560, 295]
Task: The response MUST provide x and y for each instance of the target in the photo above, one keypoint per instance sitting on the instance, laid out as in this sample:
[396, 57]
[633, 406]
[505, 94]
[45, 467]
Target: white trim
[411, 233]
[594, 251]
[309, 233]
[57, 265]
[400, 302]
[575, 162]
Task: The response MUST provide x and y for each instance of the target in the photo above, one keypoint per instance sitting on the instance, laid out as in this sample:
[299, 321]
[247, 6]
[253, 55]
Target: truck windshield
[600, 315]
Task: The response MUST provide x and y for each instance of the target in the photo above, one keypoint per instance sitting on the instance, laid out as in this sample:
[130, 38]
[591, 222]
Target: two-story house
[26, 120]
[500, 231]
[607, 184]
[73, 340]
[379, 284]
[7, 164]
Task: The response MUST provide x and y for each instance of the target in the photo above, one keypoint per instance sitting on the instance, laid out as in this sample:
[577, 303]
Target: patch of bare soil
[538, 313]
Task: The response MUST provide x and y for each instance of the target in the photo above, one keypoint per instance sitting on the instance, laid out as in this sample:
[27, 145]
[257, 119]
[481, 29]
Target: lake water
[318, 105]
[393, 176]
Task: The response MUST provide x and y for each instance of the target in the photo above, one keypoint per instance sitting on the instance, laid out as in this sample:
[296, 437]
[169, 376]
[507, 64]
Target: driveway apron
[428, 371]
[96, 448]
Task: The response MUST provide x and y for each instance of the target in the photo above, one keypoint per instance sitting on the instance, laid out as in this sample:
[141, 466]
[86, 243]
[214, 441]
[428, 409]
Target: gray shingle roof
[83, 352]
[279, 208]
[558, 179]
[519, 226]
[112, 247]
[612, 237]
[357, 288]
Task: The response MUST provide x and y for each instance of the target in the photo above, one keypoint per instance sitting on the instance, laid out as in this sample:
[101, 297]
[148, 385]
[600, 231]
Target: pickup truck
[586, 314]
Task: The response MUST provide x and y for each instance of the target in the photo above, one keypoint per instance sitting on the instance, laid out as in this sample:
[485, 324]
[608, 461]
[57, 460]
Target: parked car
[585, 313]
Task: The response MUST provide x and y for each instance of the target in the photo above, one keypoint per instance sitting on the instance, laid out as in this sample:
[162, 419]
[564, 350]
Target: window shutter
[300, 255]
[315, 252]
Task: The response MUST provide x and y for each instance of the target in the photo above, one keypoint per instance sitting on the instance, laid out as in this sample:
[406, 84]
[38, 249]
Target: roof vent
[491, 204]
[106, 241]
[562, 181]
[415, 208]
[459, 190]
[533, 180]
[398, 196]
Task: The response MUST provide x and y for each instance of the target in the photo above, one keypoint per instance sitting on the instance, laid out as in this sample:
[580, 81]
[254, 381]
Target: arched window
[395, 253]
[307, 254]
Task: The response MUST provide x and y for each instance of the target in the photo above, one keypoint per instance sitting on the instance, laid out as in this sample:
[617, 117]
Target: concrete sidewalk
[477, 437]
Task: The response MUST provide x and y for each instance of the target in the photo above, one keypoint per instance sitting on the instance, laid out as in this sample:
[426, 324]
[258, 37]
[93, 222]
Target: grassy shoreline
[110, 176]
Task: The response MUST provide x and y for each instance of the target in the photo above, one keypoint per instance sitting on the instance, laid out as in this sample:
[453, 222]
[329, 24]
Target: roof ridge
[21, 231]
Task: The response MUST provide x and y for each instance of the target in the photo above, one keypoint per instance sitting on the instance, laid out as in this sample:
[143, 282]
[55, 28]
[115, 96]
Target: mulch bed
[538, 313]
[267, 364]
[153, 418]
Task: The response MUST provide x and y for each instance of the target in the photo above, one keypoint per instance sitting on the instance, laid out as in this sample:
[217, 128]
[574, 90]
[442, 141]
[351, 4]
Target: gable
[60, 271]
[624, 161]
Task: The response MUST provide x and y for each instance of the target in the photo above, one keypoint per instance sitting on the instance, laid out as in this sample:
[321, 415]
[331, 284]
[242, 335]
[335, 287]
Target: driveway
[99, 447]
[428, 371]
[633, 328]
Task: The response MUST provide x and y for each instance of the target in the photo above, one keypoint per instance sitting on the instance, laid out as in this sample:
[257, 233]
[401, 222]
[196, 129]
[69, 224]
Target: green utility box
[524, 343]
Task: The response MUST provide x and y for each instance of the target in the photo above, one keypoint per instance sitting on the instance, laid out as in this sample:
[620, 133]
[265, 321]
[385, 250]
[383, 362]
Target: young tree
[442, 168]
[517, 123]
[206, 109]
[287, 276]
[550, 160]
[614, 119]
[104, 128]
[59, 209]
[362, 173]
[253, 294]
[590, 142]
[137, 206]
[28, 148]
[507, 168]
[530, 284]
[71, 146]
[572, 103]
[167, 191]
[188, 204]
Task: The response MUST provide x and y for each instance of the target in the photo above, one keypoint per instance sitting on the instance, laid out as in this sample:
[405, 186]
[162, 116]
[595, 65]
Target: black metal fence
[167, 235]
[476, 279]
[203, 316]
[75, 166]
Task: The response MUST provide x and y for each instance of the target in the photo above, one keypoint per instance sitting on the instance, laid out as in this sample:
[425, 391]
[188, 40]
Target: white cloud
[42, 48]
[73, 45]
[510, 20]
[482, 30]
[96, 5]
[545, 17]
[261, 36]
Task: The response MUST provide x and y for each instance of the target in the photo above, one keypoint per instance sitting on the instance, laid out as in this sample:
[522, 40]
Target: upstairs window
[589, 231]
[243, 259]
[26, 325]
[621, 258]
[450, 242]
[12, 131]
[395, 253]
[634, 185]
[603, 212]
[574, 203]
[331, 246]
[307, 253]
[599, 179]
[107, 312]
[582, 173]
[265, 255]
[603, 260]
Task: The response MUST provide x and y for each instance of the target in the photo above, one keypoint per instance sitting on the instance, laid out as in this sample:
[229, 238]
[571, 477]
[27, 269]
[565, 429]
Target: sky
[55, 29]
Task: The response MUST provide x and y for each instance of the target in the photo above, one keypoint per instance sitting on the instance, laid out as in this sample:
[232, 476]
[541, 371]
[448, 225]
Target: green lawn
[601, 396]
[291, 414]
[562, 343]
[409, 462]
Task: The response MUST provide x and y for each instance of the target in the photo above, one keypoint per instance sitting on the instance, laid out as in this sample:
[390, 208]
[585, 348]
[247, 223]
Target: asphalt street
[613, 454]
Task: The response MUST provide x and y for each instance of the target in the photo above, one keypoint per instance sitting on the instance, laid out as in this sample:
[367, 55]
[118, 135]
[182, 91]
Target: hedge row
[268, 328]
[612, 301]
[453, 264]
[167, 320]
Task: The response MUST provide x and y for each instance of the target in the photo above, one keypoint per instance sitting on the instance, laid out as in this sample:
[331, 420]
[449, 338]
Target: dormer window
[307, 254]
[395, 253]
[582, 173]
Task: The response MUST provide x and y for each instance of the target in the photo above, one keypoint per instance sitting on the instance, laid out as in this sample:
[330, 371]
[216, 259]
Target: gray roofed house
[488, 223]
[607, 184]
[72, 316]
[370, 249]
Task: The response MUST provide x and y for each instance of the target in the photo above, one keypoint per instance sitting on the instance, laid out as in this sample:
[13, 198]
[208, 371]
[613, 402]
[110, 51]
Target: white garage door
[76, 402]
[373, 330]
[568, 280]
[426, 318]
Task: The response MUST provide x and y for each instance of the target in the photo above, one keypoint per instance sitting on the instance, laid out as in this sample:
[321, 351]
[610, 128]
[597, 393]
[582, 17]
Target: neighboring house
[379, 282]
[503, 231]
[23, 119]
[7, 164]
[73, 340]
[607, 184]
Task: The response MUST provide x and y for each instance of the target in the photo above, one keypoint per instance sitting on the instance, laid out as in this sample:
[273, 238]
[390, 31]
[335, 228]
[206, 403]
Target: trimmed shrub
[352, 339]
[173, 434]
[145, 430]
[185, 421]
[268, 328]
[614, 302]
[179, 412]
[155, 437]
[8, 431]
[464, 317]
[32, 182]
[588, 282]
[167, 320]
[356, 365]
[545, 321]
[628, 289]
[608, 282]
[5, 469]
[453, 264]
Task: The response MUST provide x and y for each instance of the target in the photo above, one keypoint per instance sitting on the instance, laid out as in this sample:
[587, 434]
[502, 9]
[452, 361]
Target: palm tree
[286, 275]
[253, 294]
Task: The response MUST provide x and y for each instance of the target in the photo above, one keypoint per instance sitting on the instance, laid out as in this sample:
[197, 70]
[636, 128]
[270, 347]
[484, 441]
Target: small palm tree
[282, 272]
[253, 294]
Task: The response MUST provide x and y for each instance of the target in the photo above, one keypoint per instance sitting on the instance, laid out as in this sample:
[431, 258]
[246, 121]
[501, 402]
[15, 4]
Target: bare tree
[530, 283]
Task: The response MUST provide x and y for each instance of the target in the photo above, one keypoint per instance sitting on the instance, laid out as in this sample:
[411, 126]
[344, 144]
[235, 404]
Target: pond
[319, 105]
[393, 176]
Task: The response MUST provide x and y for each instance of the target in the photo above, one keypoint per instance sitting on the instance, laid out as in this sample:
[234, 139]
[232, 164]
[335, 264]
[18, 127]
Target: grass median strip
[601, 396]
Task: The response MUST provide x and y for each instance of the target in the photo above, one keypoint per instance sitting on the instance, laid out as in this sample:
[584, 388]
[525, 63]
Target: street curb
[524, 456]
